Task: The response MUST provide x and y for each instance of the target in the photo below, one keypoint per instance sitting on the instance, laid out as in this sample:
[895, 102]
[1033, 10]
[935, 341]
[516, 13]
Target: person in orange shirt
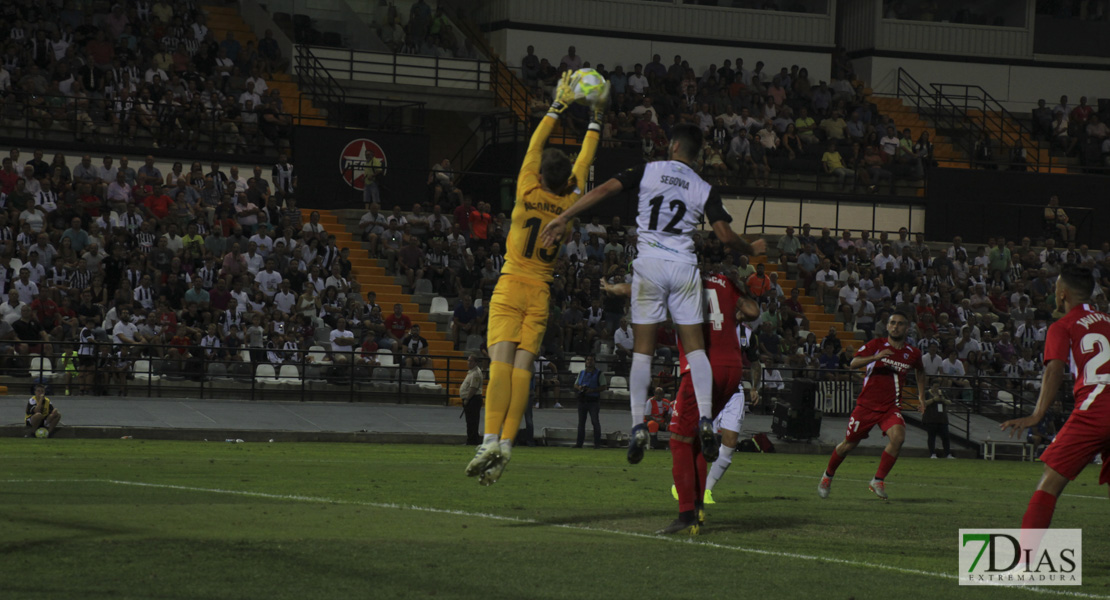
[758, 283]
[479, 224]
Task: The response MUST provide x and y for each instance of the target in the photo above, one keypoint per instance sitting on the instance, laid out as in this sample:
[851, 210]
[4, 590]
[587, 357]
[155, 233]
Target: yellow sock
[522, 379]
[497, 396]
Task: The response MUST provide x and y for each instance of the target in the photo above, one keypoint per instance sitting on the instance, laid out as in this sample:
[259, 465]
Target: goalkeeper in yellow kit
[547, 185]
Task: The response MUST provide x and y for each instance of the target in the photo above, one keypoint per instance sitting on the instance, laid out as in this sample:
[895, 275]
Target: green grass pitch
[187, 520]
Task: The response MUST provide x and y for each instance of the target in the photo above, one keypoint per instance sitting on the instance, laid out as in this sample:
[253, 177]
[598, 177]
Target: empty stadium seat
[577, 365]
[618, 387]
[426, 379]
[440, 306]
[385, 358]
[143, 371]
[264, 371]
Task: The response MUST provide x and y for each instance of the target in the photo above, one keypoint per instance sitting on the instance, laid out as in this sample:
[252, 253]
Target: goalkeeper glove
[600, 108]
[564, 93]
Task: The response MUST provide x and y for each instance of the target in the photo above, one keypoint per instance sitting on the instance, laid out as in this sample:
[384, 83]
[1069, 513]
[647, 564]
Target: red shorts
[684, 416]
[863, 419]
[1079, 440]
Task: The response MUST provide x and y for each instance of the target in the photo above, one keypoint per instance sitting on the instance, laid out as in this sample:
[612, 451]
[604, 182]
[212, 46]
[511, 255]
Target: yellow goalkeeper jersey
[536, 207]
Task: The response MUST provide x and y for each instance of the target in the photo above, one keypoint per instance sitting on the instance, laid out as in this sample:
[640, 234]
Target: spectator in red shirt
[46, 311]
[397, 325]
[1081, 113]
[923, 309]
[1000, 301]
[462, 216]
[90, 201]
[8, 178]
[758, 283]
[792, 311]
[666, 342]
[157, 205]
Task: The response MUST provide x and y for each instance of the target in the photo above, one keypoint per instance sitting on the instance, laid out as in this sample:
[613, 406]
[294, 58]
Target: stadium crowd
[757, 121]
[206, 267]
[149, 70]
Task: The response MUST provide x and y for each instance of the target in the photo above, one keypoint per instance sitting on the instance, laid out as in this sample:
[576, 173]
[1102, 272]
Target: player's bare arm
[922, 385]
[617, 289]
[1050, 385]
[558, 224]
[860, 361]
[747, 309]
[730, 238]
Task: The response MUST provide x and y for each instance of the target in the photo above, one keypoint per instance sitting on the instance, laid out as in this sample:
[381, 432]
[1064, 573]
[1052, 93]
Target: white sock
[639, 378]
[719, 467]
[506, 445]
[490, 437]
[702, 374]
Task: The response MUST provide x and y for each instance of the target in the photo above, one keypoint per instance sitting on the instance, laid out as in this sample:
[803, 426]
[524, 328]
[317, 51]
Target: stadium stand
[171, 275]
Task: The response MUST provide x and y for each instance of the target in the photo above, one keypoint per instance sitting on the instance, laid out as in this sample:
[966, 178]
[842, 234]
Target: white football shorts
[731, 416]
[662, 286]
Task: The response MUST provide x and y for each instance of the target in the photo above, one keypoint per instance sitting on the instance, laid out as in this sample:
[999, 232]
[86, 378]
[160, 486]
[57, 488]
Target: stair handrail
[309, 69]
[943, 112]
[988, 107]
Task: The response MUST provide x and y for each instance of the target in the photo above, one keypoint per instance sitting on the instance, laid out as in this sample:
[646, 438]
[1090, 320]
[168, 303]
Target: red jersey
[721, 343]
[398, 325]
[1082, 340]
[882, 387]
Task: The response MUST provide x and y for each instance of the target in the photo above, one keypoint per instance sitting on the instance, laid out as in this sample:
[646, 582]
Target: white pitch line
[490, 516]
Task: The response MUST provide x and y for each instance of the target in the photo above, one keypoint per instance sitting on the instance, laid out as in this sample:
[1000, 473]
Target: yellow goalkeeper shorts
[518, 312]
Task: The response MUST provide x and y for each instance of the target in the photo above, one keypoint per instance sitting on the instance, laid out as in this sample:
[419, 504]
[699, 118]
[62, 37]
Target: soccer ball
[42, 432]
[588, 87]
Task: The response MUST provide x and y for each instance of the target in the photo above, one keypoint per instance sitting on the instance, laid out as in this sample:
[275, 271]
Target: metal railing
[164, 370]
[969, 112]
[317, 83]
[352, 108]
[405, 69]
[986, 114]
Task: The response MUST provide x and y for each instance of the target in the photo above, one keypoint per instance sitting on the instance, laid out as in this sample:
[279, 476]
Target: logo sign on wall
[354, 159]
[329, 185]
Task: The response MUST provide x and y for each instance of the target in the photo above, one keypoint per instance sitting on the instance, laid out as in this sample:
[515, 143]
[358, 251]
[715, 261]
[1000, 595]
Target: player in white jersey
[673, 198]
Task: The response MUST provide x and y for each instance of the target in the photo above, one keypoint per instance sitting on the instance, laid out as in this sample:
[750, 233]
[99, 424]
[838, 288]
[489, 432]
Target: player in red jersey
[726, 306]
[879, 403]
[1080, 339]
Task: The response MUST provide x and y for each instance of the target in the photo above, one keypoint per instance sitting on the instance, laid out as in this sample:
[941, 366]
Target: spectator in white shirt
[932, 361]
[268, 280]
[11, 310]
[25, 288]
[342, 342]
[637, 82]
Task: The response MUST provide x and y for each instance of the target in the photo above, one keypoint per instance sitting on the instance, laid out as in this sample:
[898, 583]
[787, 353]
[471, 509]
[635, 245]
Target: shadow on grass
[752, 524]
[595, 519]
[87, 531]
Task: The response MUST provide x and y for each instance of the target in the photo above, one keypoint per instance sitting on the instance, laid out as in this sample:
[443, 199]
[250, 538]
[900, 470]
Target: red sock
[886, 463]
[1039, 513]
[682, 470]
[834, 462]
